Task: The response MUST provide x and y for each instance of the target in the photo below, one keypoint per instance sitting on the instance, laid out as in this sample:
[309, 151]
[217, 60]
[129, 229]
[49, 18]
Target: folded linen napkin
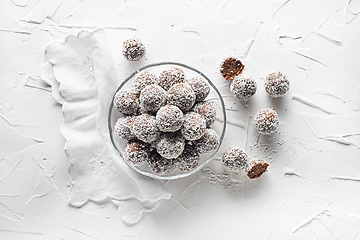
[83, 80]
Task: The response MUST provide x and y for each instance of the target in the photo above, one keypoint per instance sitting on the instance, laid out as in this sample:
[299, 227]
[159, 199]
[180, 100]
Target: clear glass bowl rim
[181, 175]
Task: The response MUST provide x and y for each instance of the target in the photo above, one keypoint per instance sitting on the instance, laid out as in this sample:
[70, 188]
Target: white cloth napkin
[83, 80]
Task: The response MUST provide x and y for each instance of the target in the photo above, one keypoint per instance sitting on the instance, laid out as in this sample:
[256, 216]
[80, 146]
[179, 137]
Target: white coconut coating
[234, 159]
[243, 87]
[200, 86]
[133, 49]
[123, 128]
[160, 165]
[276, 84]
[182, 96]
[194, 126]
[266, 121]
[169, 118]
[208, 142]
[207, 110]
[145, 129]
[189, 159]
[152, 98]
[170, 77]
[126, 101]
[136, 153]
[142, 80]
[170, 145]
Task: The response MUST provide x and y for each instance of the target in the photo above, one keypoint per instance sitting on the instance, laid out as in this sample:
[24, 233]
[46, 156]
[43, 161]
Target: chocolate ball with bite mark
[231, 67]
[255, 168]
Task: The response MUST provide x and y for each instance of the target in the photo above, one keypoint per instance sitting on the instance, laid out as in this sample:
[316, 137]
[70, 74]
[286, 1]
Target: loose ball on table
[234, 159]
[170, 77]
[207, 110]
[231, 67]
[145, 128]
[200, 86]
[123, 128]
[189, 159]
[169, 118]
[142, 80]
[255, 168]
[136, 153]
[243, 87]
[126, 101]
[208, 142]
[160, 165]
[182, 96]
[266, 121]
[152, 98]
[170, 145]
[133, 49]
[194, 126]
[276, 84]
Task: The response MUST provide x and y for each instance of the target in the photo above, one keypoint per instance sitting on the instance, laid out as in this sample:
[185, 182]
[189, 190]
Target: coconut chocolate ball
[194, 126]
[266, 121]
[142, 80]
[182, 96]
[145, 129]
[170, 77]
[189, 159]
[231, 67]
[160, 165]
[234, 159]
[243, 87]
[126, 101]
[207, 110]
[133, 49]
[255, 168]
[200, 86]
[169, 118]
[208, 142]
[123, 128]
[276, 84]
[136, 153]
[152, 98]
[170, 145]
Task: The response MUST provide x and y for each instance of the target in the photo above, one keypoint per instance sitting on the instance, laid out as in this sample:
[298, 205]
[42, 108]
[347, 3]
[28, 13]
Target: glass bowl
[219, 124]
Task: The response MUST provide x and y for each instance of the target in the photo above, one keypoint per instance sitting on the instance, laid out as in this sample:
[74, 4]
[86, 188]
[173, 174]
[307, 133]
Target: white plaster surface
[312, 188]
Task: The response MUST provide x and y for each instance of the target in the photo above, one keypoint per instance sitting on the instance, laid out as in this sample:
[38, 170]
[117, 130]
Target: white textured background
[312, 188]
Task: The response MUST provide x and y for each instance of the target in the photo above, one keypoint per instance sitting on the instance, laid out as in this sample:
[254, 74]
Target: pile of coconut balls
[266, 120]
[166, 121]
